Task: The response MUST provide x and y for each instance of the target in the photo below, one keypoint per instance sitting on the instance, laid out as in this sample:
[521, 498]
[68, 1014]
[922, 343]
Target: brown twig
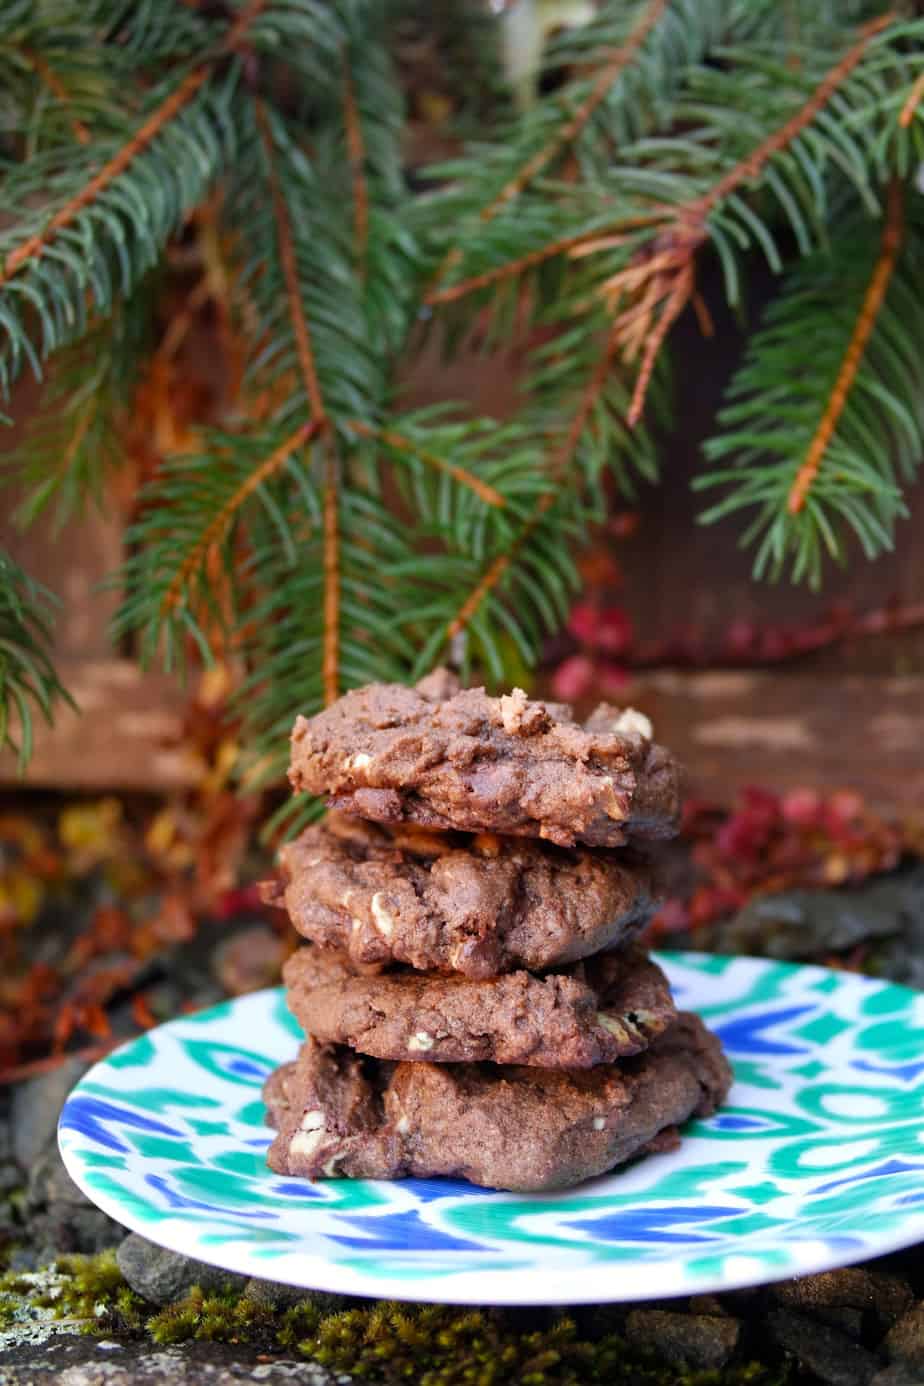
[219, 524]
[330, 668]
[561, 460]
[148, 132]
[911, 105]
[567, 245]
[54, 84]
[357, 153]
[866, 320]
[399, 443]
[568, 132]
[286, 246]
[698, 210]
[677, 300]
[139, 142]
[305, 353]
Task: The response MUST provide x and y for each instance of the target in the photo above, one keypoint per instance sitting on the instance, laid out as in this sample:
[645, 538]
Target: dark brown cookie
[524, 1129]
[460, 759]
[456, 903]
[593, 1012]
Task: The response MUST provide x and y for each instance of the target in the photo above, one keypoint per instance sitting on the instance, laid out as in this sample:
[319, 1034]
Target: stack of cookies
[474, 995]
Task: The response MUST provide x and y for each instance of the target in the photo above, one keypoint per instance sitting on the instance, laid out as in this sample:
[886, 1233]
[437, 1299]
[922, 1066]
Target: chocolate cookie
[444, 758]
[593, 1012]
[452, 902]
[523, 1129]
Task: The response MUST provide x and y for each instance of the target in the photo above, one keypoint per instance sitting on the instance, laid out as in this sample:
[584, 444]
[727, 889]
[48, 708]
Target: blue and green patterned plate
[816, 1160]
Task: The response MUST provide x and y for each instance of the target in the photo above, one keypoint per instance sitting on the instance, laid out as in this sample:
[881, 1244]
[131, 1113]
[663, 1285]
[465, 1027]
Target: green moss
[434, 1345]
[428, 1345]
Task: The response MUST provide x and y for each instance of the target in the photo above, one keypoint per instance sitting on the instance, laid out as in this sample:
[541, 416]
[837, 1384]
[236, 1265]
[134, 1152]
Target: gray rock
[49, 1183]
[905, 1341]
[811, 923]
[79, 1361]
[898, 1374]
[830, 1354]
[888, 1296]
[273, 1294]
[35, 1109]
[694, 1340]
[161, 1276]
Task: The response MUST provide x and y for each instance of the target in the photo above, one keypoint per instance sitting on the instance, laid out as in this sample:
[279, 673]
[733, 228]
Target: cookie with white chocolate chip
[525, 1129]
[454, 902]
[444, 757]
[592, 1012]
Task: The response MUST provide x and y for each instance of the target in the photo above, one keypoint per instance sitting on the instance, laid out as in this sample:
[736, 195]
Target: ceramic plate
[817, 1159]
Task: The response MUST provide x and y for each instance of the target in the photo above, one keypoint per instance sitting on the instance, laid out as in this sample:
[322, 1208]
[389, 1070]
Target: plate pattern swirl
[817, 1159]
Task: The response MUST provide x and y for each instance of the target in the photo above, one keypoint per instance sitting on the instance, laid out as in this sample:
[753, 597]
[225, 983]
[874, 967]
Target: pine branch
[64, 216]
[219, 524]
[562, 458]
[357, 151]
[866, 321]
[74, 441]
[805, 380]
[566, 133]
[57, 88]
[27, 675]
[330, 668]
[403, 445]
[915, 96]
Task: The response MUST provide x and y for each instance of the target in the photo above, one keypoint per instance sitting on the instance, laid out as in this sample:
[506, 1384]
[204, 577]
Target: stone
[813, 923]
[49, 1183]
[836, 1359]
[273, 1294]
[80, 1361]
[887, 1295]
[35, 1109]
[705, 1341]
[898, 1374]
[905, 1341]
[161, 1276]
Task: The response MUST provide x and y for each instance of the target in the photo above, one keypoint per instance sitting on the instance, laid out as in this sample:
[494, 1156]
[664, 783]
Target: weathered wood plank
[126, 735]
[787, 730]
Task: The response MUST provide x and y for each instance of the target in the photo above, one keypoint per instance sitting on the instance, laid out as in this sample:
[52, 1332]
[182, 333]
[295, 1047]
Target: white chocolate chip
[359, 761]
[599, 1123]
[633, 723]
[512, 707]
[310, 1134]
[384, 922]
[422, 1040]
[403, 1126]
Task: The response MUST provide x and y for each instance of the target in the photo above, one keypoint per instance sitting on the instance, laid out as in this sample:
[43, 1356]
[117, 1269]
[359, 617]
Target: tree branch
[54, 84]
[561, 460]
[286, 247]
[911, 105]
[357, 153]
[698, 210]
[866, 321]
[218, 526]
[570, 130]
[330, 669]
[400, 443]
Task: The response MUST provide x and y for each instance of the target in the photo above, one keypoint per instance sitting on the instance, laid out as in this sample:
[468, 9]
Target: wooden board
[789, 730]
[127, 734]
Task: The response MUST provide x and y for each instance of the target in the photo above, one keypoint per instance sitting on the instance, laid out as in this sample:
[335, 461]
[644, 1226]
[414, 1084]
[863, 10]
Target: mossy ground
[429, 1345]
